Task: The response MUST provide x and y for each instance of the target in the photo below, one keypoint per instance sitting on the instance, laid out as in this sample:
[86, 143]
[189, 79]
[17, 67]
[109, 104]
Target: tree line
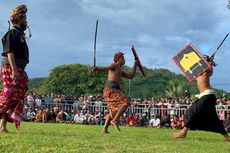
[78, 80]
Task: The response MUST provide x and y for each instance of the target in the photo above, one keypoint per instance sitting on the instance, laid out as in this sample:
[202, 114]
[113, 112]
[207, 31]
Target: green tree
[175, 88]
[78, 79]
[34, 84]
[74, 79]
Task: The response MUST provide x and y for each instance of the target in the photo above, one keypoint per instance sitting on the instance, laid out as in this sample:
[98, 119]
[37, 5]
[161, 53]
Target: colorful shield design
[191, 62]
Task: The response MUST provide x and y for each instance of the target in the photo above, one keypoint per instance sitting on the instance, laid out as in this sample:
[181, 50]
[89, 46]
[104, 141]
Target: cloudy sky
[63, 32]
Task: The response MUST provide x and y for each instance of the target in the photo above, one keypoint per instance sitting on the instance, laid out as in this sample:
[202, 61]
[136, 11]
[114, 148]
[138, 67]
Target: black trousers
[202, 116]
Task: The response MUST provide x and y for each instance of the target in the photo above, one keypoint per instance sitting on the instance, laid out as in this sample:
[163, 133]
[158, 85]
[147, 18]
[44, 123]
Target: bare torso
[115, 74]
[203, 81]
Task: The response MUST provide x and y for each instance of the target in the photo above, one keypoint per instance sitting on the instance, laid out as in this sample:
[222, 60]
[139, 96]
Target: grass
[61, 138]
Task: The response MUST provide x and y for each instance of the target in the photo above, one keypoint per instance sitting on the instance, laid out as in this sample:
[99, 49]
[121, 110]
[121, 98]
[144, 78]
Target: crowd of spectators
[56, 108]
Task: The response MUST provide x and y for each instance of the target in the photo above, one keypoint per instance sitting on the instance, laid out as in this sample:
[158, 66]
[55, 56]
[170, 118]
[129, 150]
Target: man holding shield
[117, 102]
[202, 114]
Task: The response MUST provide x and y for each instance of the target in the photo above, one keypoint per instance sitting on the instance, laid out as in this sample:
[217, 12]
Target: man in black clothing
[15, 58]
[202, 114]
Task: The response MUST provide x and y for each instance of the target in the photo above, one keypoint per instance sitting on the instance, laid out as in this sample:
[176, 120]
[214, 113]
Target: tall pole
[95, 43]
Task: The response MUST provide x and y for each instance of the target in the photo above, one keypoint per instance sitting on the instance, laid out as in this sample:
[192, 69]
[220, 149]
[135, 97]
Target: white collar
[204, 93]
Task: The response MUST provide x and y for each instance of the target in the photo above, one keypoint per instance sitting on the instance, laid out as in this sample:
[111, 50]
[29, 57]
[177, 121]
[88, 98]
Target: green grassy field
[44, 137]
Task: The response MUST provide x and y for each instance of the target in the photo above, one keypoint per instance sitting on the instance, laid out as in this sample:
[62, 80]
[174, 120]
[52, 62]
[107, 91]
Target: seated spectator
[86, 117]
[131, 120]
[174, 121]
[99, 118]
[226, 122]
[180, 123]
[60, 117]
[39, 116]
[56, 111]
[51, 116]
[45, 115]
[154, 122]
[30, 116]
[69, 117]
[78, 118]
[136, 116]
[165, 121]
[91, 119]
[143, 121]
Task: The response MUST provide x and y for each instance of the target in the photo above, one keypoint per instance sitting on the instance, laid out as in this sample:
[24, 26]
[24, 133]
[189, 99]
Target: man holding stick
[117, 102]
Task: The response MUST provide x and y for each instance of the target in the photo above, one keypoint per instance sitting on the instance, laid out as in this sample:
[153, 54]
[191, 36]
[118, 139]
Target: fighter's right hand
[15, 74]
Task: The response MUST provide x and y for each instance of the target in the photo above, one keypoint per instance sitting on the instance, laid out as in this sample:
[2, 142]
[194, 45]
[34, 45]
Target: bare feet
[114, 123]
[105, 131]
[227, 138]
[4, 130]
[177, 135]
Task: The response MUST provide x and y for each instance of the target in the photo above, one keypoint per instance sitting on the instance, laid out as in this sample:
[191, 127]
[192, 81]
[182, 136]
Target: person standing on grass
[202, 114]
[15, 58]
[117, 102]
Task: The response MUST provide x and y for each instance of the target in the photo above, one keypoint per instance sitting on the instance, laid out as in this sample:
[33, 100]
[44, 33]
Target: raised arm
[132, 74]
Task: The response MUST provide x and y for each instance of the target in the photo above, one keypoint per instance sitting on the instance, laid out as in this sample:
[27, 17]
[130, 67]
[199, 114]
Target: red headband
[117, 56]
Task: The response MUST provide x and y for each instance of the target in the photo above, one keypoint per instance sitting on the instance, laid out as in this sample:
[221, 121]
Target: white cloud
[63, 31]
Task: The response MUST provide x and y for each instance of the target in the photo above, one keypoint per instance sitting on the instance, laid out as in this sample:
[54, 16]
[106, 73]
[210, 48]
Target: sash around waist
[112, 84]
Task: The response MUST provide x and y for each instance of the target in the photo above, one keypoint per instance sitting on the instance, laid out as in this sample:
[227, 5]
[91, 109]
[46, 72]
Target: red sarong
[12, 95]
[114, 99]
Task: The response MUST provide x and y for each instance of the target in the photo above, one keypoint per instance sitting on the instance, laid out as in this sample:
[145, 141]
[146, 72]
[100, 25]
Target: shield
[191, 62]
